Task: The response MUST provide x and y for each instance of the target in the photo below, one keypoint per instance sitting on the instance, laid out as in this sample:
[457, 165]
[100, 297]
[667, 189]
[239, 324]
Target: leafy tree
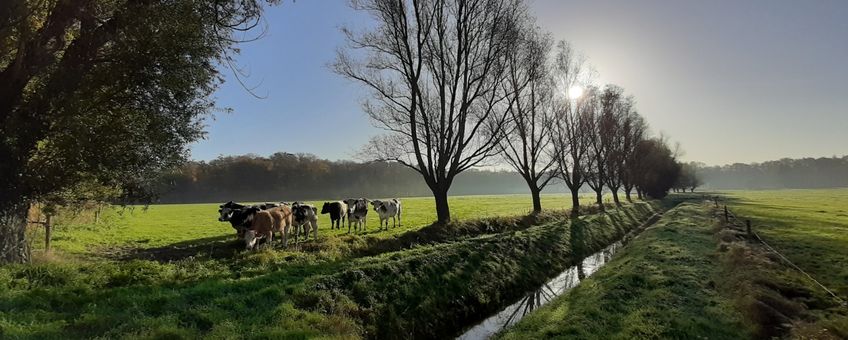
[109, 92]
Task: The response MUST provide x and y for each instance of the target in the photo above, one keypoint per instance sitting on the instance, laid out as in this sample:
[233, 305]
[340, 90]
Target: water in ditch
[566, 280]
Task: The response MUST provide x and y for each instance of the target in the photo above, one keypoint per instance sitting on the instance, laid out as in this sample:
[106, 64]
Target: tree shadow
[209, 247]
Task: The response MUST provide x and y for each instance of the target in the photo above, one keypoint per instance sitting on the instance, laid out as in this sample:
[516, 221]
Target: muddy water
[566, 280]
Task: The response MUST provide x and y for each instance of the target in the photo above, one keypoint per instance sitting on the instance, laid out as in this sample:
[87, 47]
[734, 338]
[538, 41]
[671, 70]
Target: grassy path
[660, 286]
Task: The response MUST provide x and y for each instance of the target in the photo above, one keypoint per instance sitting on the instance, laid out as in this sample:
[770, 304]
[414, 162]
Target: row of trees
[458, 84]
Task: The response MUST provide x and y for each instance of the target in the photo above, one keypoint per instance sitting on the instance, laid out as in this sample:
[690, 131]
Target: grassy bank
[810, 228]
[434, 291]
[322, 289]
[661, 286]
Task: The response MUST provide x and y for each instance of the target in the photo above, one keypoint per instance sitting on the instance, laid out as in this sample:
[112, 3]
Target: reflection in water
[566, 280]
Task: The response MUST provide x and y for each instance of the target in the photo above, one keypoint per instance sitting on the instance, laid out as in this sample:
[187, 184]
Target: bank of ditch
[435, 291]
[662, 285]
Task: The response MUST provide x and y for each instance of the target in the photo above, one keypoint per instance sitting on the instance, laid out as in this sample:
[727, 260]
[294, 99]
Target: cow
[239, 216]
[262, 226]
[337, 211]
[305, 217]
[357, 211]
[388, 209]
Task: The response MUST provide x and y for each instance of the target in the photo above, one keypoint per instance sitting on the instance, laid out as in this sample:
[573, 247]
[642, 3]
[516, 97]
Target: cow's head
[250, 239]
[377, 204]
[326, 208]
[226, 210]
[351, 205]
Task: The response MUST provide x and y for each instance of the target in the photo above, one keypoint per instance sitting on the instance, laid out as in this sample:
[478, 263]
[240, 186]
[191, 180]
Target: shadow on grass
[209, 247]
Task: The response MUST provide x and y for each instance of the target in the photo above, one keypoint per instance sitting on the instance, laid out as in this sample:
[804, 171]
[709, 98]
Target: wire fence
[731, 219]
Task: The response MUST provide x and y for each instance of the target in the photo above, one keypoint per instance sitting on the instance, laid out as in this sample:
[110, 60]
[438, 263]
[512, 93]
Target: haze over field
[731, 81]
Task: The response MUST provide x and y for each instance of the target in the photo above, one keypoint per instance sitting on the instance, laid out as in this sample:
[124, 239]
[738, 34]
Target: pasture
[810, 227]
[140, 227]
[342, 286]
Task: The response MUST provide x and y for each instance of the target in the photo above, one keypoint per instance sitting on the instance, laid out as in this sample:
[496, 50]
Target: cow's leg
[315, 228]
[286, 233]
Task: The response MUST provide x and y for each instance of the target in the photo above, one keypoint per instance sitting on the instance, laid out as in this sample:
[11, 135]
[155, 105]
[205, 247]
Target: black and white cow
[357, 211]
[337, 211]
[386, 210]
[305, 216]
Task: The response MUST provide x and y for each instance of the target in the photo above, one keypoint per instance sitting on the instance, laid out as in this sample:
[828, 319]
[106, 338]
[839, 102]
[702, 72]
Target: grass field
[661, 286]
[168, 224]
[428, 281]
[810, 227]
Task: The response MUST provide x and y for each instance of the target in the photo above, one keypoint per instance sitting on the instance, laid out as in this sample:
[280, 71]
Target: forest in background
[286, 176]
[787, 173]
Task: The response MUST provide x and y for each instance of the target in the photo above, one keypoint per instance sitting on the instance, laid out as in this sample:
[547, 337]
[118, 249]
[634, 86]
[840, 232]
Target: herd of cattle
[260, 221]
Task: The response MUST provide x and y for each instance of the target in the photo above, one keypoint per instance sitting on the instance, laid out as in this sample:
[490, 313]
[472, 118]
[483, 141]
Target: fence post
[725, 214]
[748, 227]
[48, 230]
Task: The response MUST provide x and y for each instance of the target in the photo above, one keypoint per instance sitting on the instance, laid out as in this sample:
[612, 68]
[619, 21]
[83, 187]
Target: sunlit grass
[166, 224]
[810, 227]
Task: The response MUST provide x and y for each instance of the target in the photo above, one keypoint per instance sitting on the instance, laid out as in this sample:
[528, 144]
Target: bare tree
[634, 131]
[610, 129]
[526, 144]
[597, 151]
[570, 146]
[435, 68]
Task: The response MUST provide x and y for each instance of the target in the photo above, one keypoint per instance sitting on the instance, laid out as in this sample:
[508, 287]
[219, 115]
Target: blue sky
[732, 81]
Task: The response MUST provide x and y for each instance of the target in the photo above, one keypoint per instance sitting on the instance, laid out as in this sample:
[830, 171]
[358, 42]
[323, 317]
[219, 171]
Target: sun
[575, 92]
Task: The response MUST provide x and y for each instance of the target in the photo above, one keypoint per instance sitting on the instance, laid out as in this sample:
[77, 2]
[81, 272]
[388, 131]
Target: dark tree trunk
[575, 202]
[599, 196]
[537, 200]
[627, 194]
[615, 197]
[13, 244]
[639, 193]
[442, 208]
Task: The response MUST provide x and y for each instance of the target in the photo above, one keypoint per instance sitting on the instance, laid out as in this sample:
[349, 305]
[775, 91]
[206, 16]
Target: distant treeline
[781, 174]
[286, 176]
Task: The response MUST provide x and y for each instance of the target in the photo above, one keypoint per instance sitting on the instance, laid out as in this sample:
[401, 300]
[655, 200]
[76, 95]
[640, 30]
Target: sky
[731, 81]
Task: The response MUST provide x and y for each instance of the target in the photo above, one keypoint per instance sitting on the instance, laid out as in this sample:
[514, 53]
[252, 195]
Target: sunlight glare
[575, 92]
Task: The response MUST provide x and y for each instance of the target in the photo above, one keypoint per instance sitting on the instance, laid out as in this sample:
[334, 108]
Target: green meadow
[133, 227]
[810, 227]
[174, 271]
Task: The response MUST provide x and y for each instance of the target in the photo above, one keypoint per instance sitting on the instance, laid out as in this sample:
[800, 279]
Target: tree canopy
[105, 92]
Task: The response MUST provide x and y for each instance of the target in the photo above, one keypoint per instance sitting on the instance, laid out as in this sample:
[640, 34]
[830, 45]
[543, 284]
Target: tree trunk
[537, 201]
[615, 197]
[13, 244]
[442, 208]
[627, 194]
[639, 193]
[599, 195]
[575, 202]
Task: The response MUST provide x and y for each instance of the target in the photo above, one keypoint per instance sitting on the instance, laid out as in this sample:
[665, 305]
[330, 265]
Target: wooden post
[725, 214]
[48, 230]
[748, 227]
